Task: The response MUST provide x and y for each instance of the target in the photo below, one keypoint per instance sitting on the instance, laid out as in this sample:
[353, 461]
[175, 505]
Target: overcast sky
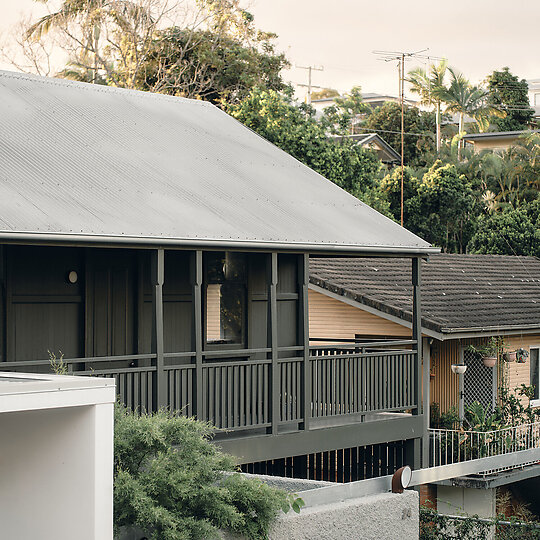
[476, 36]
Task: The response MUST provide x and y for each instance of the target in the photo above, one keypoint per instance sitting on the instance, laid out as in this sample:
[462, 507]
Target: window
[535, 374]
[225, 298]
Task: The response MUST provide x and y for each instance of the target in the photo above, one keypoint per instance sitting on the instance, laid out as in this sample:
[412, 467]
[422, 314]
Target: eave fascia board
[152, 241]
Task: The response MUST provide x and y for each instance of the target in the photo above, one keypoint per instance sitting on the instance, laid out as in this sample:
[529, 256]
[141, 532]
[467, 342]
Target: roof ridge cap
[139, 94]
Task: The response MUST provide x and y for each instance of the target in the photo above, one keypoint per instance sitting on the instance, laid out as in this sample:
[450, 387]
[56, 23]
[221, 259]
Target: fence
[449, 446]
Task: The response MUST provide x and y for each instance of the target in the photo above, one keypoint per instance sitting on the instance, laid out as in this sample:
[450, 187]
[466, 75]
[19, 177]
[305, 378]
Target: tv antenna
[400, 57]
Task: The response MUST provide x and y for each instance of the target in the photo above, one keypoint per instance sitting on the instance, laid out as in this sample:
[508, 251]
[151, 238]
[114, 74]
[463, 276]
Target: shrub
[173, 483]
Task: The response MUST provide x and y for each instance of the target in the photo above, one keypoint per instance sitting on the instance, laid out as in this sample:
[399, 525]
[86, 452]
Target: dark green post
[417, 336]
[303, 271]
[197, 280]
[158, 277]
[273, 340]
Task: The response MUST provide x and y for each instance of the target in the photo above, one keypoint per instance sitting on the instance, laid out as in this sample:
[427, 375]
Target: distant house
[372, 99]
[375, 142]
[496, 140]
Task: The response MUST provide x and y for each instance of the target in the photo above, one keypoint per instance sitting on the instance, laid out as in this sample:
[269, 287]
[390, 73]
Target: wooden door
[111, 308]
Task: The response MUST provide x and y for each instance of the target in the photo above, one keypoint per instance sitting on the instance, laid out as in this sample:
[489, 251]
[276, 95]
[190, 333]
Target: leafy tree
[209, 49]
[390, 186]
[324, 93]
[427, 85]
[294, 129]
[342, 117]
[510, 231]
[172, 483]
[442, 210]
[419, 127]
[209, 65]
[509, 94]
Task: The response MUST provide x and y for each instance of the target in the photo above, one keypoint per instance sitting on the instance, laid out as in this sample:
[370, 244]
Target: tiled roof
[459, 292]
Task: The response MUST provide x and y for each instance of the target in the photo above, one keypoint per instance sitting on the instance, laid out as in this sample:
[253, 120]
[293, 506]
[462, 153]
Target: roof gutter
[33, 237]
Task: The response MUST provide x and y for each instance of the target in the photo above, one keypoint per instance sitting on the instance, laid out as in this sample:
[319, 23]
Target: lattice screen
[479, 381]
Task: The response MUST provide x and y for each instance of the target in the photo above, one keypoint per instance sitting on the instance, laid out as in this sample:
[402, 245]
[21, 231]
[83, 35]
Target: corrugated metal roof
[94, 162]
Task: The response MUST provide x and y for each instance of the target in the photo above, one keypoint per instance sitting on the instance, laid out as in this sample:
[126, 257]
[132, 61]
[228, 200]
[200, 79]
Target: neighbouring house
[466, 299]
[375, 142]
[156, 240]
[534, 97]
[372, 99]
[495, 140]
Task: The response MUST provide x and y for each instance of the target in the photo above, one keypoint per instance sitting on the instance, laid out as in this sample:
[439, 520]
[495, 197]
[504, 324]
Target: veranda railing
[343, 381]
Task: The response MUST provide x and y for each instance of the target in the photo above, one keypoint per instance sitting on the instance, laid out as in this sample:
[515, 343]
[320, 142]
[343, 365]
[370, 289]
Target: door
[111, 310]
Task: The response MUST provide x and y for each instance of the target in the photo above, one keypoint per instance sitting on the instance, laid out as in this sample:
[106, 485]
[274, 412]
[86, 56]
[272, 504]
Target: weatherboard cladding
[459, 292]
[91, 161]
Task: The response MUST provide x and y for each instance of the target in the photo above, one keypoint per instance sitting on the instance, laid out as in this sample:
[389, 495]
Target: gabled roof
[460, 293]
[365, 139]
[96, 163]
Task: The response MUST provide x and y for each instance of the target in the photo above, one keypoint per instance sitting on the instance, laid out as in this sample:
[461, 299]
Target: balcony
[257, 389]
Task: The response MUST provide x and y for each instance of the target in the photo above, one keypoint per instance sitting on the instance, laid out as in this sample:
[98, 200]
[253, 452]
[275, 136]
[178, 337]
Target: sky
[476, 36]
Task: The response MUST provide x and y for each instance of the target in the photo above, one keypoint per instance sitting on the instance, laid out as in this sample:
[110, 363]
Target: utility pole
[309, 85]
[402, 129]
[400, 56]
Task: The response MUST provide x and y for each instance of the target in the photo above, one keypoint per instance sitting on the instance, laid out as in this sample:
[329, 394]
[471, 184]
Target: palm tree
[465, 99]
[91, 16]
[425, 84]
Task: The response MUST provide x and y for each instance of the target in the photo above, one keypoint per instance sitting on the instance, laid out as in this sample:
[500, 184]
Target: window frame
[214, 346]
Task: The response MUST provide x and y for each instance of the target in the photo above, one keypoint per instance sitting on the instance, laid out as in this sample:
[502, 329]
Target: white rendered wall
[56, 473]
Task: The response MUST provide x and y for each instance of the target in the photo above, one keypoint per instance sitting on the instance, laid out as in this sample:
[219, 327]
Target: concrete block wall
[386, 516]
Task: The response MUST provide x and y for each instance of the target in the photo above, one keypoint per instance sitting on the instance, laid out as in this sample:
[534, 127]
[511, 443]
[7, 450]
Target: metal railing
[236, 386]
[448, 446]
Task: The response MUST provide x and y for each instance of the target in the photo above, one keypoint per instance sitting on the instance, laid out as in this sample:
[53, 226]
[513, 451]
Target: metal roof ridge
[68, 83]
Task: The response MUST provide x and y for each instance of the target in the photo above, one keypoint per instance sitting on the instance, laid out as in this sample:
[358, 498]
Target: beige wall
[331, 318]
[444, 386]
[499, 144]
[518, 374]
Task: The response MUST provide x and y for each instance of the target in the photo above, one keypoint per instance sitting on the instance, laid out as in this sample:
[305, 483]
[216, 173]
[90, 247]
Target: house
[372, 99]
[495, 140]
[375, 142]
[465, 300]
[157, 241]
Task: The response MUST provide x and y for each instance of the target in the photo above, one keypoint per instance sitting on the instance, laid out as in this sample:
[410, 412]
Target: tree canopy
[509, 94]
[419, 128]
[295, 129]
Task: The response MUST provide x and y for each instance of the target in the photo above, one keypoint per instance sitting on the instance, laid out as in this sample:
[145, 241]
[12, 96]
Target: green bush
[174, 484]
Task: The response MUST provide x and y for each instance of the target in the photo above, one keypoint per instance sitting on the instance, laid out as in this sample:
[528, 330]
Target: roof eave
[37, 237]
